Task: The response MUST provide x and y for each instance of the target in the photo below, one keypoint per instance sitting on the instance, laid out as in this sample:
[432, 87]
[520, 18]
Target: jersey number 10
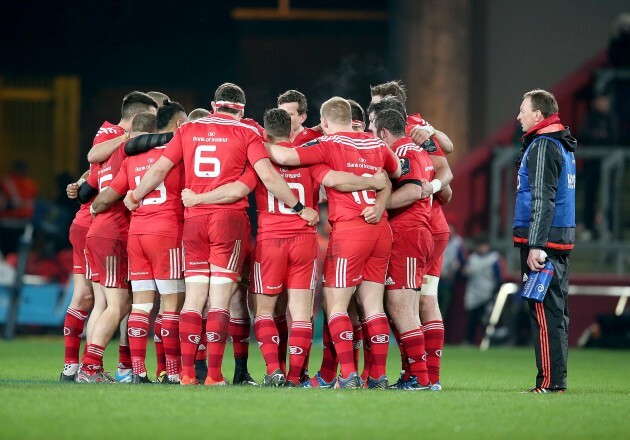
[282, 208]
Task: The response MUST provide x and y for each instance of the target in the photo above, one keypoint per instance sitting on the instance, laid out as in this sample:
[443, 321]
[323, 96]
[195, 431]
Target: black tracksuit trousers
[550, 325]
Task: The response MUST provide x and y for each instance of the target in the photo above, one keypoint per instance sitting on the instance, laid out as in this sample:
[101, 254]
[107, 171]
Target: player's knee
[142, 307]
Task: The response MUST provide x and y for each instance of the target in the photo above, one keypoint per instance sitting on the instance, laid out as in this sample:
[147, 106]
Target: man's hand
[72, 190]
[381, 180]
[310, 216]
[189, 197]
[427, 188]
[372, 214]
[129, 203]
[535, 261]
[421, 133]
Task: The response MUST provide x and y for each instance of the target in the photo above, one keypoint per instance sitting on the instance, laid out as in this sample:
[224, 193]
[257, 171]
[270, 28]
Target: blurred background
[65, 66]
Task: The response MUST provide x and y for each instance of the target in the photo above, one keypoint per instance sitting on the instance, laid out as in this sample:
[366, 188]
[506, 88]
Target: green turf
[481, 399]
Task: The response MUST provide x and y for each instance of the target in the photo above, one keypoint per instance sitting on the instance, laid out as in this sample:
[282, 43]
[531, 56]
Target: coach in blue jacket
[544, 219]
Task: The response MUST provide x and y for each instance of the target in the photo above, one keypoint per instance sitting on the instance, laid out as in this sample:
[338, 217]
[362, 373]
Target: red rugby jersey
[161, 212]
[358, 153]
[106, 132]
[113, 223]
[416, 165]
[215, 150]
[439, 225]
[275, 219]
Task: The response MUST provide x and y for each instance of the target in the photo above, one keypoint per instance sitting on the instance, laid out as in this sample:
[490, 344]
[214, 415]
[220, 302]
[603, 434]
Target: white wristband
[429, 129]
[436, 184]
[80, 182]
[92, 210]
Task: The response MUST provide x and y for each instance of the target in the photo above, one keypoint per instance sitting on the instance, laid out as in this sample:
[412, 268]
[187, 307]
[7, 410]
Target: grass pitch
[482, 399]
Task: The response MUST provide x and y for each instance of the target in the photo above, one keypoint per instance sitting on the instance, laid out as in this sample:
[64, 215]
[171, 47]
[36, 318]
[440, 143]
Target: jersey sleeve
[174, 151]
[319, 171]
[256, 149]
[249, 178]
[120, 183]
[311, 153]
[412, 170]
[391, 164]
[92, 179]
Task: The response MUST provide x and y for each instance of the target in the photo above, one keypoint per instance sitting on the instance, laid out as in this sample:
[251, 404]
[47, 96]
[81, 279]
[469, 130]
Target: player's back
[360, 154]
[214, 151]
[113, 223]
[416, 165]
[161, 211]
[275, 219]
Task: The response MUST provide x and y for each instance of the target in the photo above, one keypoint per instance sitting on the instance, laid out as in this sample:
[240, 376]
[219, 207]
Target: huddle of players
[210, 165]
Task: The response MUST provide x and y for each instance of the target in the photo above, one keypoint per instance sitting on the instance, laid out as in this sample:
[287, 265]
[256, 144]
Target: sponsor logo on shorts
[380, 339]
[276, 340]
[213, 337]
[194, 339]
[346, 336]
[196, 263]
[135, 332]
[139, 273]
[357, 279]
[66, 331]
[389, 281]
[295, 350]
[275, 287]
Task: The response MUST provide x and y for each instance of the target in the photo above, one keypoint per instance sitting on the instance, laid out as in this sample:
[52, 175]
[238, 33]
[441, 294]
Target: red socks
[357, 342]
[217, 330]
[328, 369]
[189, 337]
[341, 333]
[377, 328]
[124, 356]
[299, 342]
[239, 332]
[413, 344]
[434, 342]
[202, 353]
[92, 359]
[267, 336]
[72, 330]
[170, 340]
[137, 331]
[159, 345]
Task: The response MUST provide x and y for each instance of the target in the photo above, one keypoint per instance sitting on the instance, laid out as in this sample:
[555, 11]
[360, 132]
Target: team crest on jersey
[405, 168]
[429, 146]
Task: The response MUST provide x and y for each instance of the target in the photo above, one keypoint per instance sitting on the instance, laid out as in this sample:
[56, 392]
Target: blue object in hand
[538, 282]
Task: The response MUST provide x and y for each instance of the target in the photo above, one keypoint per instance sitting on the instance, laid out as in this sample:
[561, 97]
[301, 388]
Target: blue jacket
[544, 213]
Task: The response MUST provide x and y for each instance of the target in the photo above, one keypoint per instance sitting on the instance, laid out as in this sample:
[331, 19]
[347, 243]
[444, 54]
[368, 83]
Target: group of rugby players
[163, 211]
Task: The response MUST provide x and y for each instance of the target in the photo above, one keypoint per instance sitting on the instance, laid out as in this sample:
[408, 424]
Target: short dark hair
[167, 112]
[542, 100]
[229, 92]
[394, 88]
[136, 102]
[357, 111]
[159, 97]
[388, 102]
[277, 123]
[198, 113]
[392, 120]
[294, 96]
[145, 121]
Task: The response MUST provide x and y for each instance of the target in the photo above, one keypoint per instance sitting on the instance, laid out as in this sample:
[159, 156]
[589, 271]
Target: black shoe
[244, 378]
[201, 370]
[140, 379]
[66, 378]
[539, 390]
[290, 384]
